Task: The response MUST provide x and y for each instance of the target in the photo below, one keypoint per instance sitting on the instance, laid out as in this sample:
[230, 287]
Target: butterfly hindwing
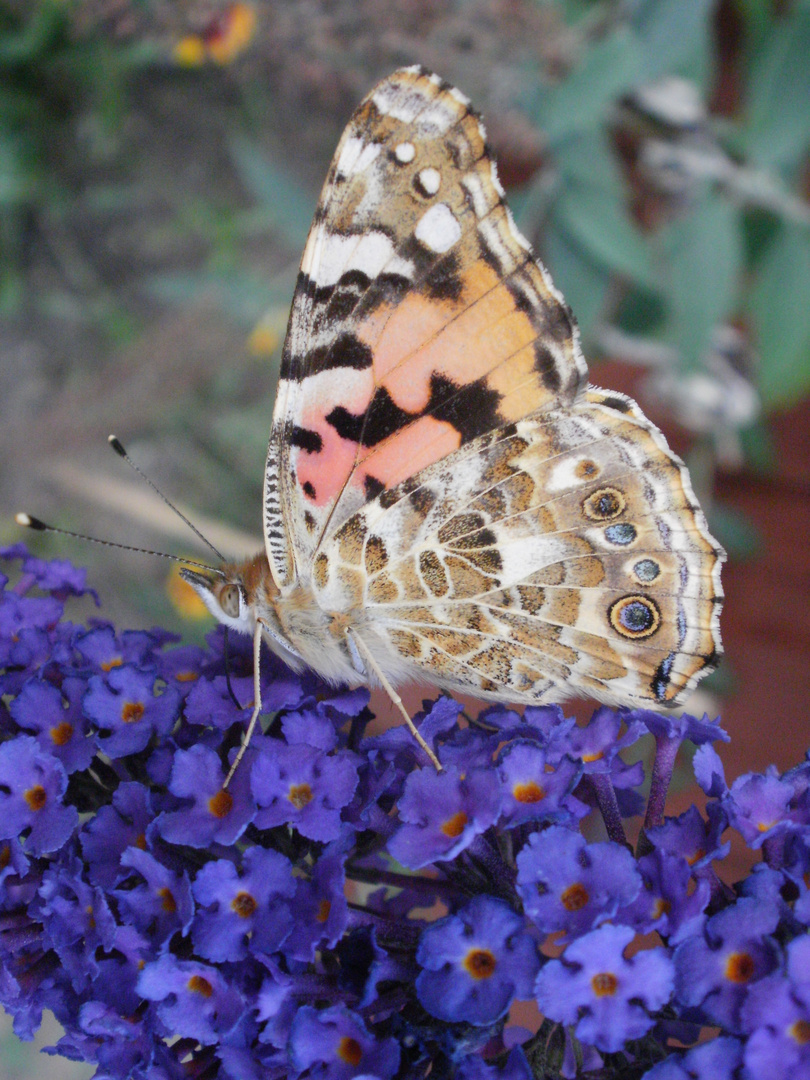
[420, 320]
[561, 555]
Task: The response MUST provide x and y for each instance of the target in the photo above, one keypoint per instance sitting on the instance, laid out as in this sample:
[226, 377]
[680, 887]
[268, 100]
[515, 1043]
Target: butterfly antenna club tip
[28, 521]
[117, 445]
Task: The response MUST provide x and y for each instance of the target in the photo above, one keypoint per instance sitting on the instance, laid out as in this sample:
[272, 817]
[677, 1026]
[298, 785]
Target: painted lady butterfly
[444, 498]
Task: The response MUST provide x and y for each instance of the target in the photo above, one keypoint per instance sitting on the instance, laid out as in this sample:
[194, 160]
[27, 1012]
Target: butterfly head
[231, 593]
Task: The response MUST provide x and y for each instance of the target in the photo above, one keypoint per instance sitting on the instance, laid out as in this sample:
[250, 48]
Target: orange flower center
[739, 967]
[350, 1051]
[480, 963]
[132, 711]
[62, 733]
[800, 1031]
[324, 908]
[604, 984]
[299, 795]
[575, 897]
[454, 826]
[36, 797]
[167, 900]
[221, 804]
[528, 793]
[198, 985]
[244, 905]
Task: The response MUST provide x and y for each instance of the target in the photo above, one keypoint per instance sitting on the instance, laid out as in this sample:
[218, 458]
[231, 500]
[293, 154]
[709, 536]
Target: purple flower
[113, 829]
[181, 930]
[105, 651]
[77, 919]
[696, 840]
[442, 813]
[303, 787]
[315, 722]
[716, 1060]
[157, 900]
[679, 728]
[597, 745]
[32, 787]
[516, 1068]
[776, 1013]
[181, 667]
[669, 901]
[193, 1000]
[215, 814]
[124, 703]
[716, 969]
[606, 996]
[760, 806]
[569, 885]
[474, 963]
[320, 908]
[209, 704]
[335, 1044]
[51, 575]
[243, 910]
[57, 718]
[534, 791]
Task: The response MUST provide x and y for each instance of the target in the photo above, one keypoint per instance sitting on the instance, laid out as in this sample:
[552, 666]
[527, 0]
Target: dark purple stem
[374, 876]
[773, 851]
[609, 807]
[489, 860]
[666, 751]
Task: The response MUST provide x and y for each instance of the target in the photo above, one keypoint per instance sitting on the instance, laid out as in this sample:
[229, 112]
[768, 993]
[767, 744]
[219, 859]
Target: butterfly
[445, 498]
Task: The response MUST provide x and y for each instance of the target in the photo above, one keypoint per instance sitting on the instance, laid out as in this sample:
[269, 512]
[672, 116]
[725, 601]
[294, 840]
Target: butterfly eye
[229, 601]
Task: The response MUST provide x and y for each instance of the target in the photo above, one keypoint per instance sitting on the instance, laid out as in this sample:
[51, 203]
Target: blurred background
[159, 166]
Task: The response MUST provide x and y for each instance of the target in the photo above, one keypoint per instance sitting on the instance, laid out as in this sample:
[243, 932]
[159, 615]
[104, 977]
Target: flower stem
[609, 807]
[666, 751]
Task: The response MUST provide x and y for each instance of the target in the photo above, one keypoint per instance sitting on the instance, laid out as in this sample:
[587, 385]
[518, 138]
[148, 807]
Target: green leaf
[245, 296]
[780, 309]
[289, 207]
[778, 130]
[582, 282]
[596, 219]
[700, 279]
[673, 35]
[609, 69]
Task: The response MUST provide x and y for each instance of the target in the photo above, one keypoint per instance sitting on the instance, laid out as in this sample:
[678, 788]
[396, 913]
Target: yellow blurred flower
[226, 36]
[263, 341]
[184, 599]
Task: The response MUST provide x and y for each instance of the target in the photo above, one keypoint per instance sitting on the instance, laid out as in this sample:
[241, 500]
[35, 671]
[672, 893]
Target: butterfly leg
[356, 644]
[257, 701]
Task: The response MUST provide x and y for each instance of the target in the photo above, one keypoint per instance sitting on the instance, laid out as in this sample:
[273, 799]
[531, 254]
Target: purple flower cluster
[342, 910]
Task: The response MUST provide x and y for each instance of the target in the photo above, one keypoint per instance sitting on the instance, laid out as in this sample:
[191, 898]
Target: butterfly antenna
[118, 447]
[30, 522]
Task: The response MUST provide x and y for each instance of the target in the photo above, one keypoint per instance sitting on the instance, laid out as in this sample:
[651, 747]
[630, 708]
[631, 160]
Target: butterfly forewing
[420, 320]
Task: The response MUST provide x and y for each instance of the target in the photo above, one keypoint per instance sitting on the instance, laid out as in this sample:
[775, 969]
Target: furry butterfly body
[445, 498]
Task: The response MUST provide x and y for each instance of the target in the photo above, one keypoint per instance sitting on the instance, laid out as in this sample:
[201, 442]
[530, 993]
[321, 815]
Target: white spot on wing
[405, 152]
[430, 179]
[398, 103]
[438, 229]
[371, 253]
[356, 156]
